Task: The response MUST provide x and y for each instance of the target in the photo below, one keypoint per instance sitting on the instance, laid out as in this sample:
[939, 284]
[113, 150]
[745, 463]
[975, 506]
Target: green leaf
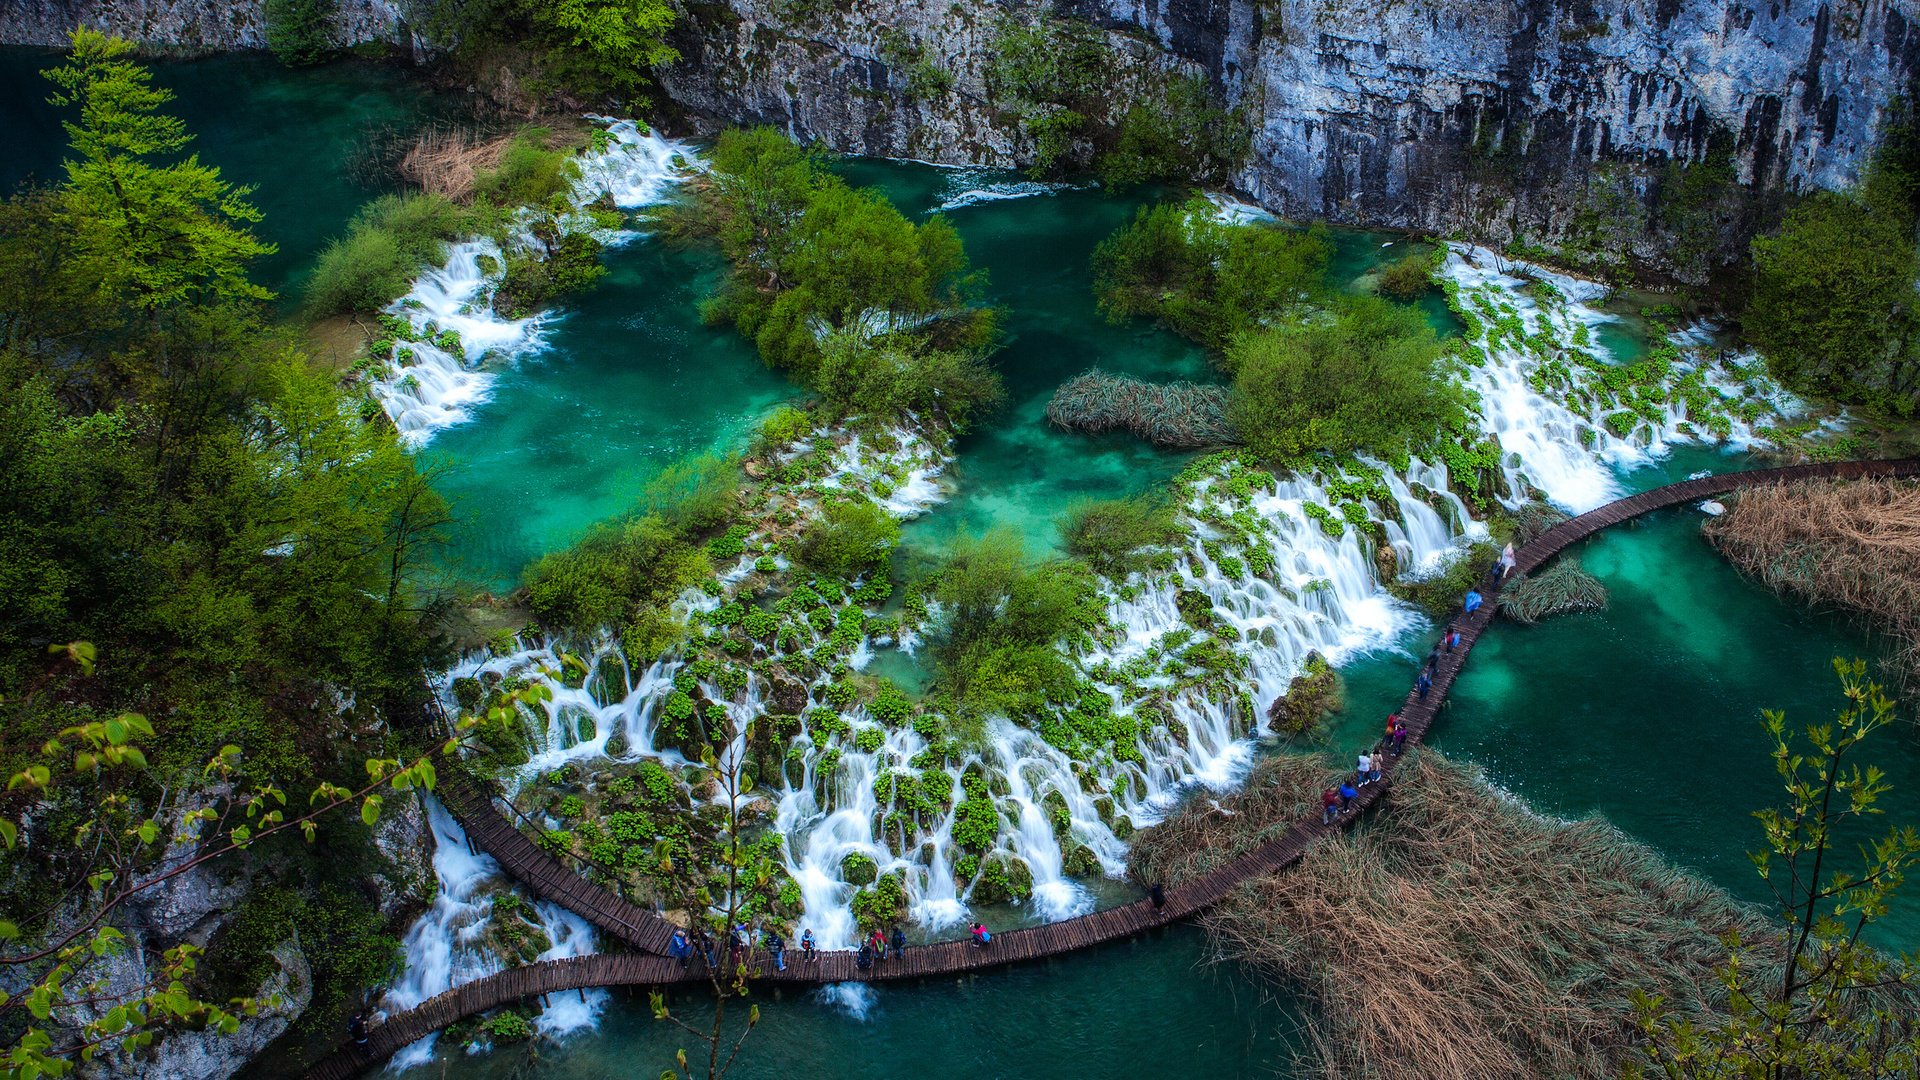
[370, 809]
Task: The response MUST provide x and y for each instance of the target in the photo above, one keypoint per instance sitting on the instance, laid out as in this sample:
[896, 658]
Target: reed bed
[1853, 544]
[1180, 415]
[1457, 933]
[445, 160]
[1561, 588]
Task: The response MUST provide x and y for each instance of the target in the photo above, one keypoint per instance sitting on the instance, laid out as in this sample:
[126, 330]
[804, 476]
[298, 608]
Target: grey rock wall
[187, 26]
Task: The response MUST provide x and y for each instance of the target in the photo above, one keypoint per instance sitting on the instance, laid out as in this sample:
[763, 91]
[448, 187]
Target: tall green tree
[157, 232]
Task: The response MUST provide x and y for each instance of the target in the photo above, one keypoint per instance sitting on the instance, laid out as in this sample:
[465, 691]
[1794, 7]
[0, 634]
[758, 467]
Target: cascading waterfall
[445, 947]
[436, 380]
[1270, 570]
[1562, 436]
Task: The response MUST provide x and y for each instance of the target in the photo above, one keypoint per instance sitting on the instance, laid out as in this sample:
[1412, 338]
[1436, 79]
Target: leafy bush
[1000, 653]
[694, 494]
[848, 539]
[1364, 380]
[620, 575]
[297, 31]
[507, 1027]
[389, 241]
[1182, 264]
[530, 172]
[1408, 279]
[816, 262]
[1111, 535]
[783, 427]
[560, 265]
[1177, 134]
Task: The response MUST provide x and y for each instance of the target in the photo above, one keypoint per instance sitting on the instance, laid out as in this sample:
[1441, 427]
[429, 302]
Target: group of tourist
[874, 949]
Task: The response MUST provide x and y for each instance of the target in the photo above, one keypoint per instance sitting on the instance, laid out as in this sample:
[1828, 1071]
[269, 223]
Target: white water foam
[436, 383]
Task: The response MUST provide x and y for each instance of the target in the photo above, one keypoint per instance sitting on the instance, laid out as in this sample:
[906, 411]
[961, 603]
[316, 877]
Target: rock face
[190, 26]
[1543, 119]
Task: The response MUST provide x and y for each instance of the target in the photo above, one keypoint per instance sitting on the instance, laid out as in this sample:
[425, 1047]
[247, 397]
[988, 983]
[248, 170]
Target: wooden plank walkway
[546, 877]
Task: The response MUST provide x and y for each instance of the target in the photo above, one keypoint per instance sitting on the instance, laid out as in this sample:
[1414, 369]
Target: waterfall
[446, 946]
[1555, 421]
[437, 378]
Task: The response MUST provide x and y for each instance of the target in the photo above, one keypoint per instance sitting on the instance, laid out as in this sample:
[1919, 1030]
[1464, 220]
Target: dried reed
[444, 160]
[1851, 543]
[1457, 934]
[1560, 588]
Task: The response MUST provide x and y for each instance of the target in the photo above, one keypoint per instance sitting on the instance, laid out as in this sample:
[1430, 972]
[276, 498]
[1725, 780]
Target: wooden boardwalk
[543, 875]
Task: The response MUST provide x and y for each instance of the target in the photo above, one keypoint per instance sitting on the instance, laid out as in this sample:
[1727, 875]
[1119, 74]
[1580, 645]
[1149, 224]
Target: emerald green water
[1132, 1009]
[1646, 713]
[631, 381]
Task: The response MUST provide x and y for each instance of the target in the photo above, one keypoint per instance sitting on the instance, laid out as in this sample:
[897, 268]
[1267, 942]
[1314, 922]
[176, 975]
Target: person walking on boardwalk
[1374, 764]
[1158, 894]
[1348, 793]
[1423, 684]
[1472, 601]
[864, 958]
[899, 942]
[1505, 566]
[681, 949]
[1393, 724]
[1361, 768]
[981, 937]
[806, 944]
[1329, 805]
[708, 951]
[1453, 637]
[777, 949]
[878, 940]
[1399, 739]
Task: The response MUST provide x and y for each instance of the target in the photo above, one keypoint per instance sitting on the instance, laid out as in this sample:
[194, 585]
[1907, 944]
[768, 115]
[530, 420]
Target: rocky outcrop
[1555, 120]
[188, 26]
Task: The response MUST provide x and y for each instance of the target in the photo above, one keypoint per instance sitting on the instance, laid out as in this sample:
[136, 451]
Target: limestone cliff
[188, 26]
[1539, 118]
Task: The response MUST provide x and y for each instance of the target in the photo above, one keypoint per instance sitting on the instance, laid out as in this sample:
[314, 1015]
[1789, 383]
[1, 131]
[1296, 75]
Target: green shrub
[507, 1027]
[1000, 652]
[785, 426]
[1182, 264]
[529, 174]
[1408, 279]
[694, 494]
[1365, 380]
[896, 298]
[560, 265]
[620, 575]
[1111, 535]
[848, 539]
[1179, 133]
[387, 244]
[297, 30]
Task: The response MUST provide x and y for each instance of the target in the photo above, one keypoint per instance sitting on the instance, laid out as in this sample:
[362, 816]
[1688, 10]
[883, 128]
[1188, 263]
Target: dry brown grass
[1851, 543]
[445, 160]
[1457, 934]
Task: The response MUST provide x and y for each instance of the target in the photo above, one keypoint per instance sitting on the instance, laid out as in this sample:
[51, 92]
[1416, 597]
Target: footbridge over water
[549, 879]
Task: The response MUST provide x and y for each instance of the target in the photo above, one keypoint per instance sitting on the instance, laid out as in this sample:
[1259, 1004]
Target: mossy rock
[608, 683]
[1003, 878]
[858, 869]
[1195, 608]
[1312, 694]
[1082, 862]
[469, 694]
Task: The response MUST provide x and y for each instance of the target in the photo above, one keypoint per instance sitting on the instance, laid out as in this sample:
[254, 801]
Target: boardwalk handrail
[650, 931]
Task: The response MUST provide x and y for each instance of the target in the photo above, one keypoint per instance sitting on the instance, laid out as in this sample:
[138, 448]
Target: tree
[1815, 1002]
[1835, 307]
[1364, 379]
[297, 30]
[163, 233]
[602, 46]
[747, 880]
